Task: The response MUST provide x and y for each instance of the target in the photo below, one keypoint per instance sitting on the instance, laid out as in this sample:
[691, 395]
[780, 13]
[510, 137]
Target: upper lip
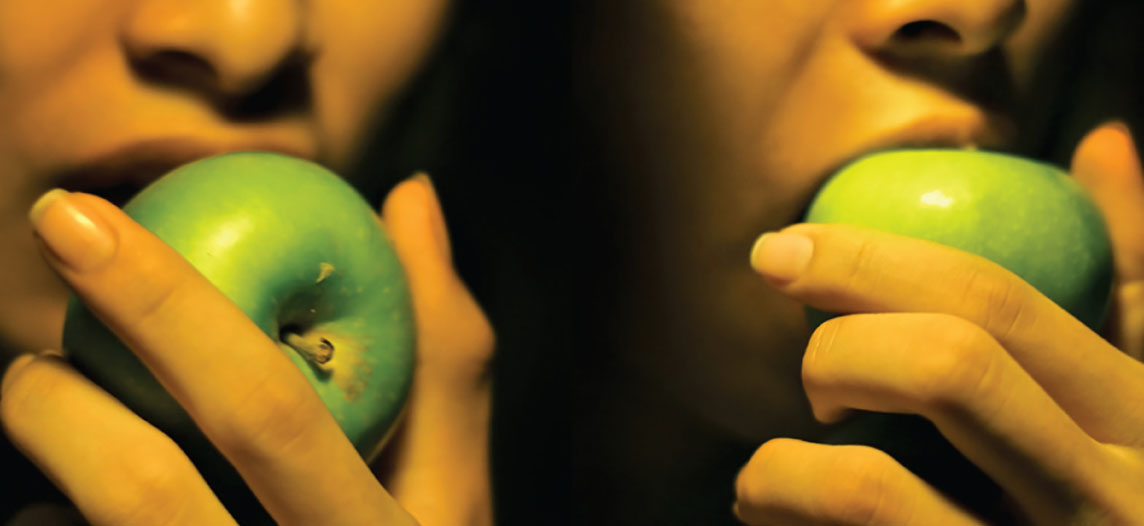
[976, 130]
[130, 167]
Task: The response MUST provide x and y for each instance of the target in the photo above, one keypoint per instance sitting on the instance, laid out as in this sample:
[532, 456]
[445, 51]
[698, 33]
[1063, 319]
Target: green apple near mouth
[303, 255]
[1029, 217]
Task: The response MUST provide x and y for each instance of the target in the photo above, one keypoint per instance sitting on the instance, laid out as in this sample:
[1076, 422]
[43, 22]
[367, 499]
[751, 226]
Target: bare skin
[100, 98]
[738, 111]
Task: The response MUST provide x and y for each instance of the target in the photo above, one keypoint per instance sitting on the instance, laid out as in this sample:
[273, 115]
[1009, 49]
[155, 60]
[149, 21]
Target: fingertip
[399, 198]
[1119, 126]
[415, 197]
[13, 369]
[414, 221]
[1108, 152]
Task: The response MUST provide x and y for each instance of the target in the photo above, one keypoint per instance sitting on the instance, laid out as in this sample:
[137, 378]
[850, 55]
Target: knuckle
[148, 488]
[816, 370]
[998, 302]
[479, 336]
[863, 491]
[269, 423]
[485, 338]
[959, 367]
[463, 350]
[155, 298]
[863, 269]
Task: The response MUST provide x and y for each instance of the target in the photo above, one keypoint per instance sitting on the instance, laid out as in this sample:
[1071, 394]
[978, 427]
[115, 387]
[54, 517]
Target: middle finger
[849, 269]
[955, 374]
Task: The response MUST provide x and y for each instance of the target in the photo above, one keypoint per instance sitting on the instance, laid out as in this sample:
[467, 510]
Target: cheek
[37, 39]
[1044, 22]
[42, 45]
[729, 73]
[369, 51]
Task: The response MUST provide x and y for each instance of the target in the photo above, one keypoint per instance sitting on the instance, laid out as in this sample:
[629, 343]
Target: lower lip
[116, 184]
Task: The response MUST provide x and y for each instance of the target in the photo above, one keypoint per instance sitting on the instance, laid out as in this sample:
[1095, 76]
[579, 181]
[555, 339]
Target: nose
[226, 47]
[934, 28]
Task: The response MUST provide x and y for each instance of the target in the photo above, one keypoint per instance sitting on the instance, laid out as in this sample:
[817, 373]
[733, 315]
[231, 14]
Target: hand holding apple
[1029, 217]
[302, 255]
[246, 394]
[1026, 391]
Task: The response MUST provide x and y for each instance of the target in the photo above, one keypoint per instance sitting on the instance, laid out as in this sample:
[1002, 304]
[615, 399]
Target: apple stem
[315, 349]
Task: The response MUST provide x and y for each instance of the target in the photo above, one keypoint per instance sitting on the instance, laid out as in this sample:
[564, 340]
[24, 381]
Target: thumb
[1107, 163]
[437, 463]
[455, 340]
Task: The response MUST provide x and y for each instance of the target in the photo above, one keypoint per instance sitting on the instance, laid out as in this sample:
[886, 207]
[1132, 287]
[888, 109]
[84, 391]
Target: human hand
[437, 463]
[1047, 408]
[285, 444]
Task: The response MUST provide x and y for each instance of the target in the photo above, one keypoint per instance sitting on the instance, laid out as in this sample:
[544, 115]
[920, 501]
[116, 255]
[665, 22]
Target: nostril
[927, 30]
[285, 89]
[174, 67]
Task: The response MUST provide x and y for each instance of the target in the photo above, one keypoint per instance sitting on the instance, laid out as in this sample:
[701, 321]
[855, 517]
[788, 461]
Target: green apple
[1029, 217]
[304, 256]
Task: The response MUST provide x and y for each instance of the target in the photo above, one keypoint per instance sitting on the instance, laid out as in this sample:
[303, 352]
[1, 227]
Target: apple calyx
[315, 349]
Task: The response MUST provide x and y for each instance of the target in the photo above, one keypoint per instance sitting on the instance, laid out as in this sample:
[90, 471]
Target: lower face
[726, 117]
[81, 113]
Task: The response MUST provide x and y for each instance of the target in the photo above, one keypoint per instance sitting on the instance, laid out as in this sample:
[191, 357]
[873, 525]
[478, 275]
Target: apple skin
[295, 247]
[1029, 217]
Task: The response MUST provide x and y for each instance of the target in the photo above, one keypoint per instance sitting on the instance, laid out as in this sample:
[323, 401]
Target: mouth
[120, 174]
[978, 131]
[990, 132]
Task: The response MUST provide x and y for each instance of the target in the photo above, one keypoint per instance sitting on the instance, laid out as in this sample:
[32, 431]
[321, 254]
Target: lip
[972, 131]
[978, 130]
[121, 172]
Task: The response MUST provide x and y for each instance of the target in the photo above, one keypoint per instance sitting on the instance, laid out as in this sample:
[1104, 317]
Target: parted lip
[121, 172]
[970, 130]
[977, 130]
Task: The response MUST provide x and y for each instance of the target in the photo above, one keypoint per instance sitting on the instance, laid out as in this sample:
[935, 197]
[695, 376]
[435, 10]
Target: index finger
[850, 269]
[241, 390]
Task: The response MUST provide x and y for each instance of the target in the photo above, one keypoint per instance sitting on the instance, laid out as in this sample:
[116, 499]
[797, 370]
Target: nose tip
[228, 46]
[949, 28]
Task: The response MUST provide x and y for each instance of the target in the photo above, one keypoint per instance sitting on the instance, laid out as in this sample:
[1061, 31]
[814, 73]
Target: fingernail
[72, 233]
[13, 367]
[781, 256]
